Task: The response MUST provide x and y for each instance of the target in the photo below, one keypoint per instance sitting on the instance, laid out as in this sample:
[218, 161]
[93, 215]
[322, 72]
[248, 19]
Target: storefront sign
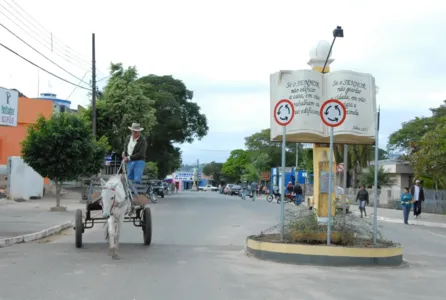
[185, 176]
[9, 102]
[265, 176]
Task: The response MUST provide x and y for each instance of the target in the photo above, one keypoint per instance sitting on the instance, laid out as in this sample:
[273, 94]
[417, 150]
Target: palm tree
[385, 178]
[358, 157]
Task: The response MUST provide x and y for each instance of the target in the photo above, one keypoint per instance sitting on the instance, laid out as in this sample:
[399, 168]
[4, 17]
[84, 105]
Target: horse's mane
[114, 180]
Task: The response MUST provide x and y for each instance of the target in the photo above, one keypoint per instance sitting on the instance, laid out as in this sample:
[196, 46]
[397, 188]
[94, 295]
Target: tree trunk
[58, 190]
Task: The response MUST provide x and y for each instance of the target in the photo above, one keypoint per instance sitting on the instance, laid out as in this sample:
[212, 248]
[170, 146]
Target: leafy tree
[163, 106]
[213, 169]
[307, 159]
[151, 170]
[385, 178]
[234, 166]
[122, 103]
[250, 173]
[260, 143]
[261, 162]
[429, 156]
[63, 148]
[412, 131]
[179, 120]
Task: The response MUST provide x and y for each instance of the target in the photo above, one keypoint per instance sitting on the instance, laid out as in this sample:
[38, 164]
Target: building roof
[390, 161]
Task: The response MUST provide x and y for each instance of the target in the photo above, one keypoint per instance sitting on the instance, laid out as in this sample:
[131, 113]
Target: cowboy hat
[136, 127]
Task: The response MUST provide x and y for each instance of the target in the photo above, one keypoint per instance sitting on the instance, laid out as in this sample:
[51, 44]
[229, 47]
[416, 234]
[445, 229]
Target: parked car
[339, 204]
[235, 190]
[228, 189]
[208, 188]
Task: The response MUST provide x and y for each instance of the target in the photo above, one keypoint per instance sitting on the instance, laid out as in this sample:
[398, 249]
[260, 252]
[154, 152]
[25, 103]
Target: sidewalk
[396, 216]
[32, 219]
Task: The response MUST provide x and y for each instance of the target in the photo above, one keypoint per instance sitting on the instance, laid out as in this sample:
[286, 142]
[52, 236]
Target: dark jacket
[298, 189]
[363, 195]
[420, 196]
[139, 152]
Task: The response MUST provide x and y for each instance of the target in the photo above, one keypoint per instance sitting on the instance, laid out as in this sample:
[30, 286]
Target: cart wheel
[147, 226]
[79, 228]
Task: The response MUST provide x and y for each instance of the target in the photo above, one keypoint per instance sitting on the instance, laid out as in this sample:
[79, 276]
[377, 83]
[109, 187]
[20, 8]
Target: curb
[36, 235]
[323, 255]
[411, 222]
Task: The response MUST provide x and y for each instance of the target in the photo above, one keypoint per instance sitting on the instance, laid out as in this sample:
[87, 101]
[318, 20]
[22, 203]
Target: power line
[75, 88]
[44, 31]
[46, 71]
[11, 32]
[36, 39]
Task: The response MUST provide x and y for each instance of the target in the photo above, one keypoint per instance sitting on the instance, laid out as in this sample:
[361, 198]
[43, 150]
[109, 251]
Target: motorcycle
[150, 194]
[157, 188]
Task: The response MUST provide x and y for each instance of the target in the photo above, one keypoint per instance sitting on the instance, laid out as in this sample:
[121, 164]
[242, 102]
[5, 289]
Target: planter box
[336, 237]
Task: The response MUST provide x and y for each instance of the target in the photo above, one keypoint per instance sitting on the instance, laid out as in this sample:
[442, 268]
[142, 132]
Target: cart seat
[94, 206]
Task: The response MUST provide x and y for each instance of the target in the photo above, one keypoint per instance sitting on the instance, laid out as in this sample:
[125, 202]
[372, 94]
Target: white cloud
[225, 51]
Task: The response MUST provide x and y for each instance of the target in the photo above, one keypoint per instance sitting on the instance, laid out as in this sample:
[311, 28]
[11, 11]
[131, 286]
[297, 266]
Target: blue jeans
[406, 211]
[244, 194]
[298, 199]
[135, 169]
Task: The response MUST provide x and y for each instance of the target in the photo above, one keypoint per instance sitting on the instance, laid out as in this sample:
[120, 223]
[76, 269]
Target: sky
[225, 51]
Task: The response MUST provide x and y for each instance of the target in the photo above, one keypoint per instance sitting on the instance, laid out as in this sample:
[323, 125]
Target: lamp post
[338, 32]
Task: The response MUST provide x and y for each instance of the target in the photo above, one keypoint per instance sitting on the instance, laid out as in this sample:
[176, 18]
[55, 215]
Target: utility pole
[93, 82]
[297, 156]
[198, 171]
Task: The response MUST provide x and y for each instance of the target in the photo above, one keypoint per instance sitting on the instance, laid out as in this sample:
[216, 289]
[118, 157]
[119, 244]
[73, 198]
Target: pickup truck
[208, 188]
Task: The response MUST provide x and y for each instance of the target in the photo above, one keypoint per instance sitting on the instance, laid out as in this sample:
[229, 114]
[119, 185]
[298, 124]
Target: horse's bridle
[114, 199]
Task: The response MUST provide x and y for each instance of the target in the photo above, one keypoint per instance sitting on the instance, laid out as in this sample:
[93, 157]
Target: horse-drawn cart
[139, 214]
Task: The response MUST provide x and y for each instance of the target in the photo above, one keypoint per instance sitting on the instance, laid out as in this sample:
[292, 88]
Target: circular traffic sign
[340, 167]
[284, 112]
[333, 113]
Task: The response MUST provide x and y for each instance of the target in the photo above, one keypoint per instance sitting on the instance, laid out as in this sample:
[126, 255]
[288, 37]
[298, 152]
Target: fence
[435, 201]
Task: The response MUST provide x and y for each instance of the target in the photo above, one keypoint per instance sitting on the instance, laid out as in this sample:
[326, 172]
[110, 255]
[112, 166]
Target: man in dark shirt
[363, 199]
[299, 192]
[135, 153]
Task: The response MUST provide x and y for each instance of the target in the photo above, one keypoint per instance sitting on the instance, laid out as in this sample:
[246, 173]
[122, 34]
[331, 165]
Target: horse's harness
[114, 200]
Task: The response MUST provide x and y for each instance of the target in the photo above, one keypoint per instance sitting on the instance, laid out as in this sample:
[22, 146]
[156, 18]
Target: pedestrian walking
[244, 187]
[406, 204]
[363, 199]
[418, 197]
[254, 190]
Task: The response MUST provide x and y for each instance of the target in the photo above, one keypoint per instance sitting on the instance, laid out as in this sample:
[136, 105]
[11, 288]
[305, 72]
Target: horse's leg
[111, 235]
[119, 220]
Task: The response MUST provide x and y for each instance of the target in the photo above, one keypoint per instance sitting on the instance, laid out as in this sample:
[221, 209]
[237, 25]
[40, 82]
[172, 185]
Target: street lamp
[338, 32]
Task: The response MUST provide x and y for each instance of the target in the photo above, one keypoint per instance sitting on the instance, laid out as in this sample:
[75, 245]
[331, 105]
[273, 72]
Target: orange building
[28, 111]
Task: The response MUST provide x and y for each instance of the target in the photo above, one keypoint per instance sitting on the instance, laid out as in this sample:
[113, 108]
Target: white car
[208, 188]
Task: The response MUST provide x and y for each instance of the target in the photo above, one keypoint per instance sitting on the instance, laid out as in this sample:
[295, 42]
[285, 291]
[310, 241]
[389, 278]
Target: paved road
[198, 254]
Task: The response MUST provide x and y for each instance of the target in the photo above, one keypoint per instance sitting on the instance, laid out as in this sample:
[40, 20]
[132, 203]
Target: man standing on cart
[135, 153]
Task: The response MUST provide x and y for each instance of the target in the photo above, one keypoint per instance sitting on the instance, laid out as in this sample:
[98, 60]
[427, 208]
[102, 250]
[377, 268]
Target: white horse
[115, 206]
